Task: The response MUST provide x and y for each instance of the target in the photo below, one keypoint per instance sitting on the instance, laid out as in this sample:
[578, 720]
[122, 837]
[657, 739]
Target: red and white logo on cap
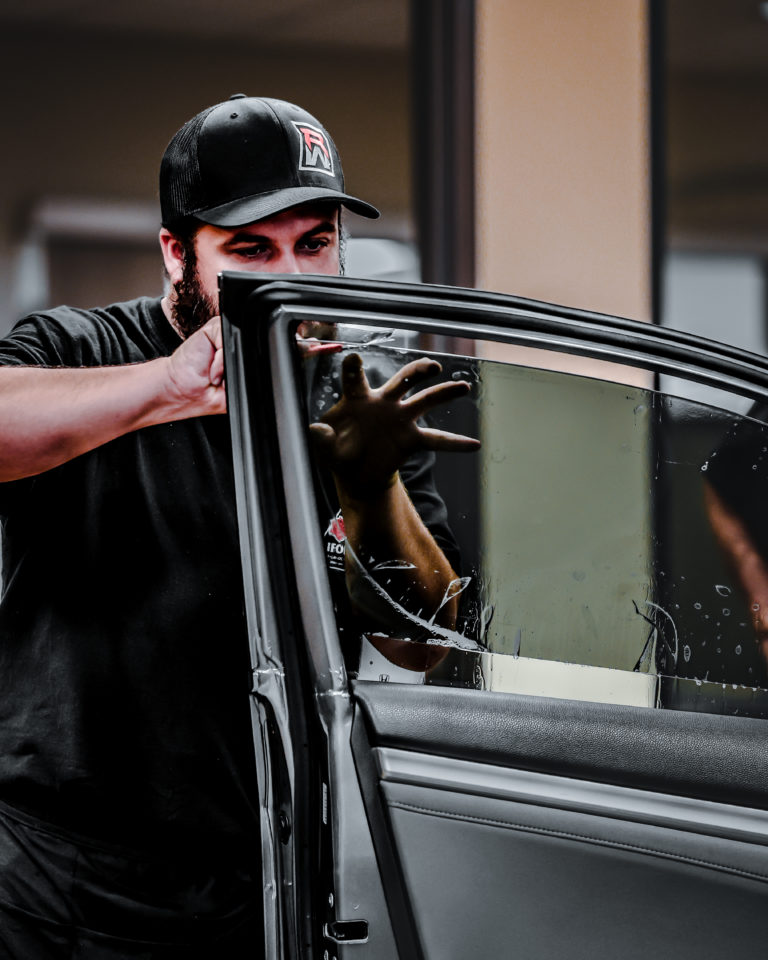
[314, 149]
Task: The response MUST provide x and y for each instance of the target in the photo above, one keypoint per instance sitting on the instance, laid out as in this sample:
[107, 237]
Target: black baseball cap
[249, 158]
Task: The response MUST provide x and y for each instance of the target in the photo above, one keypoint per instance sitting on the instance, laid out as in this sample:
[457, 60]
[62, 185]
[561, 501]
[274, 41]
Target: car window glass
[598, 539]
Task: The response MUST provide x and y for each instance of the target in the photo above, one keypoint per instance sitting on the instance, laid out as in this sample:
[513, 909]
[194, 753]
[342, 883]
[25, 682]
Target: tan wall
[88, 115]
[563, 216]
[562, 152]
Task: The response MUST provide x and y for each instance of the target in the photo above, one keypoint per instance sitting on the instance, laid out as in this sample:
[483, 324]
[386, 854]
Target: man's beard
[191, 307]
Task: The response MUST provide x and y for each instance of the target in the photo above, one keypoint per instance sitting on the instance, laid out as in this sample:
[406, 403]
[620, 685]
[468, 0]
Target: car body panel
[436, 822]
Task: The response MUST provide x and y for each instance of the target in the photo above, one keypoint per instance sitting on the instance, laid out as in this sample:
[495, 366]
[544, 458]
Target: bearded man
[127, 819]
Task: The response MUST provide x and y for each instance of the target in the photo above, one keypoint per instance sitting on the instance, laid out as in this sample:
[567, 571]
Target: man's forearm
[51, 415]
[387, 532]
[740, 550]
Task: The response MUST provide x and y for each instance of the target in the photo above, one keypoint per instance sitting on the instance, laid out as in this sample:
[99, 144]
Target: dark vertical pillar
[443, 91]
[443, 114]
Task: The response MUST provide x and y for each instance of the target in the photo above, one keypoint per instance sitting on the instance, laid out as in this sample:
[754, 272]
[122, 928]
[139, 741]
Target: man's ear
[173, 255]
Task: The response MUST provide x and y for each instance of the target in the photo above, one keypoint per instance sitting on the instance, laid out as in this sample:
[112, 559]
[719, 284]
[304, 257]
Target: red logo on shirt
[336, 528]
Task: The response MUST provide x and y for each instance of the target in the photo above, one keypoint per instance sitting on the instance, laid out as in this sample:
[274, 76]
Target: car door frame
[335, 883]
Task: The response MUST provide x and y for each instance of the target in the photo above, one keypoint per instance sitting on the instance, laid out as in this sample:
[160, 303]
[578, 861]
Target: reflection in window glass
[599, 540]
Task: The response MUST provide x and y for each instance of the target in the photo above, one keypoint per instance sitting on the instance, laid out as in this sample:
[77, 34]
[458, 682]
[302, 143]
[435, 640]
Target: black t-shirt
[124, 668]
[124, 665]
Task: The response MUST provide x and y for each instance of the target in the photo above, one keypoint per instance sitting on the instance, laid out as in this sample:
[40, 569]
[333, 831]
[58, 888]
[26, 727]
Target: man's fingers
[216, 373]
[213, 331]
[309, 347]
[451, 442]
[431, 397]
[408, 377]
[323, 436]
[354, 383]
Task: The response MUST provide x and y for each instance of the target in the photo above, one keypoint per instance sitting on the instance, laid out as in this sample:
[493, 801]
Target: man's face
[303, 239]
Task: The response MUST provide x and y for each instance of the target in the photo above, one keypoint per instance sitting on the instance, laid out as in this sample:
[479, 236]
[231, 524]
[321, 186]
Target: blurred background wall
[92, 93]
[604, 155]
[563, 155]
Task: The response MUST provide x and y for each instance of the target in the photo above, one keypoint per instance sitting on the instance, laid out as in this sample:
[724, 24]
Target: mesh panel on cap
[180, 185]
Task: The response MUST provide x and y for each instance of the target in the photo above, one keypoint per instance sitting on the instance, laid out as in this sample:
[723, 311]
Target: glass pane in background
[711, 61]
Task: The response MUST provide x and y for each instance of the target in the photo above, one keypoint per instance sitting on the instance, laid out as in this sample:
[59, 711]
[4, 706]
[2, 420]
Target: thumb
[323, 436]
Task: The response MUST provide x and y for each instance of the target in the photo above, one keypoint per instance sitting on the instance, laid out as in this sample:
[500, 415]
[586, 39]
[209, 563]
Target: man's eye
[255, 250]
[314, 245]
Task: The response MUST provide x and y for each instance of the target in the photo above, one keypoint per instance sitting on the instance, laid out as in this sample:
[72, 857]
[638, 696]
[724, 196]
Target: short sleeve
[63, 339]
[66, 338]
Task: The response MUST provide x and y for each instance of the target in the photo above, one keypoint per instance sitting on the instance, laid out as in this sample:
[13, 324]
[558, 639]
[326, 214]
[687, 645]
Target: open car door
[580, 770]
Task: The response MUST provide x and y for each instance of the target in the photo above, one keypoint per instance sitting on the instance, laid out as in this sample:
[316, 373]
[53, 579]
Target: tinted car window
[590, 557]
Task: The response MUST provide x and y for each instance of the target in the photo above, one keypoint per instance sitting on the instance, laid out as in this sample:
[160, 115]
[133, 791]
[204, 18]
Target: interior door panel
[547, 848]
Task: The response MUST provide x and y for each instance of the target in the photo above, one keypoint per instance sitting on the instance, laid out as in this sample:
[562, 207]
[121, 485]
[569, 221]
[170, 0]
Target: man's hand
[196, 372]
[370, 433]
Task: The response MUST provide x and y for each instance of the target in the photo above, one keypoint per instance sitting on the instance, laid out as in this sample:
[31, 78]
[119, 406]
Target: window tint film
[606, 542]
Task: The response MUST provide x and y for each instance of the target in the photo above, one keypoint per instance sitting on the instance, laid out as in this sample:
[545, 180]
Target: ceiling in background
[332, 24]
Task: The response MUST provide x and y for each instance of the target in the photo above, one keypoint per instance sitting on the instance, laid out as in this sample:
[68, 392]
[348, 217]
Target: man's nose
[287, 262]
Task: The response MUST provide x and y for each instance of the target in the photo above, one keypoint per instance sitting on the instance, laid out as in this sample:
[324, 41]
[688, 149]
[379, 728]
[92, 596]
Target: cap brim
[238, 213]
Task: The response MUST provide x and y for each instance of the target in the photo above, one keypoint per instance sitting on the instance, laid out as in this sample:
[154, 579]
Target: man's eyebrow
[327, 226]
[245, 237]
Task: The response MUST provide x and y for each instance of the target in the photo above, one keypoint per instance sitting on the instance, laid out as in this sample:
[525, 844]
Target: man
[127, 825]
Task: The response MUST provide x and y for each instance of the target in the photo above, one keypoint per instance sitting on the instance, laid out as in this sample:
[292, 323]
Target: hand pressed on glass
[369, 433]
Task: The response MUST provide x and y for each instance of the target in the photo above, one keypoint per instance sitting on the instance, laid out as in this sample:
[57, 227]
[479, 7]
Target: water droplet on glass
[723, 590]
[704, 467]
[755, 607]
[697, 606]
[461, 375]
[726, 612]
[737, 651]
[686, 653]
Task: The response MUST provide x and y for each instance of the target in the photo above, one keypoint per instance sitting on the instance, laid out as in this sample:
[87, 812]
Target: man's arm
[745, 560]
[50, 415]
[366, 437]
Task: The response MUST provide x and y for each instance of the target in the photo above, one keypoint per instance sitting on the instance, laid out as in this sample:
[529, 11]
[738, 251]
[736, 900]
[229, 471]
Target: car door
[581, 770]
